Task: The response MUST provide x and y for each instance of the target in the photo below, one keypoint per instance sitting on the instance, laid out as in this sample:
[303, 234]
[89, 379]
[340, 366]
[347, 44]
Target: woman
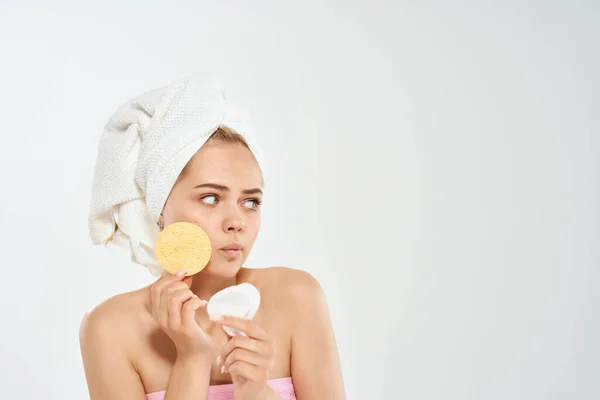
[158, 342]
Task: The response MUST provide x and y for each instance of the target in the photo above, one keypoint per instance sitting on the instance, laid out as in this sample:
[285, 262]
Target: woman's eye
[212, 199]
[252, 203]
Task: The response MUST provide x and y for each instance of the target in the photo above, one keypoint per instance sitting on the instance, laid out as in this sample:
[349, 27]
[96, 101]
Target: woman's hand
[248, 359]
[174, 307]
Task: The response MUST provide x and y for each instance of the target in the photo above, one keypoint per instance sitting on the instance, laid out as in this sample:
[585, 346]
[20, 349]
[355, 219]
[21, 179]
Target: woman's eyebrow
[212, 186]
[225, 188]
[252, 191]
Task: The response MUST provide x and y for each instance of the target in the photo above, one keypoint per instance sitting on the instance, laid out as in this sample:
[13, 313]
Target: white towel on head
[144, 147]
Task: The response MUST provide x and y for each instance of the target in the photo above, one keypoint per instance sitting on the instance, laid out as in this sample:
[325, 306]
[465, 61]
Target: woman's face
[220, 191]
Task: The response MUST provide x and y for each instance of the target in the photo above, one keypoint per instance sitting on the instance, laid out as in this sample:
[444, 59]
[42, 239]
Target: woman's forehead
[227, 164]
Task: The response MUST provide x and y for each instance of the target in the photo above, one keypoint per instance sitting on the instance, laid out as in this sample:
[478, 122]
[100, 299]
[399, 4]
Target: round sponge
[182, 245]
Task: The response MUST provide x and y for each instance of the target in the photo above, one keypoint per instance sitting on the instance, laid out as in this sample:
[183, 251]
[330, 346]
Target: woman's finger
[166, 296]
[246, 356]
[156, 290]
[248, 371]
[174, 305]
[242, 324]
[262, 348]
[188, 312]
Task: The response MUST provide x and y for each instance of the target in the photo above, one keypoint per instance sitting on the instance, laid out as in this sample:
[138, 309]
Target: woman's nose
[234, 222]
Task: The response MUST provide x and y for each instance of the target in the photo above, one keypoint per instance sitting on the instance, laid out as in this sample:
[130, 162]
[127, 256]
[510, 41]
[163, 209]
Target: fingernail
[217, 317]
[218, 360]
[223, 369]
[181, 273]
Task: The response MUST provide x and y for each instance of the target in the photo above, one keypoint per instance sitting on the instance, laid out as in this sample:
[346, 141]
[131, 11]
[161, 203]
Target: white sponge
[240, 301]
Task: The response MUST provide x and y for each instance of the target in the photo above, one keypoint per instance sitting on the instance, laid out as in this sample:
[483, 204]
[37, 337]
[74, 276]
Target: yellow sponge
[183, 245]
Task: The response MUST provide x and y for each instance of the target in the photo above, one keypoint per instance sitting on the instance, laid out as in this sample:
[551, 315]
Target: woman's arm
[315, 364]
[189, 379]
[109, 371]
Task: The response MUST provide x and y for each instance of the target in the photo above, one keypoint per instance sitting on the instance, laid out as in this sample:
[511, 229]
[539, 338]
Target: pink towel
[283, 386]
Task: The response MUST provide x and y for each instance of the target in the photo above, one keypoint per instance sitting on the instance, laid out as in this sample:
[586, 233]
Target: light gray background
[435, 166]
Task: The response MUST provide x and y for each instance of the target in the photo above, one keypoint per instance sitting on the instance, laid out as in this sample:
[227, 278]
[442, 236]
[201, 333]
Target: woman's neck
[206, 284]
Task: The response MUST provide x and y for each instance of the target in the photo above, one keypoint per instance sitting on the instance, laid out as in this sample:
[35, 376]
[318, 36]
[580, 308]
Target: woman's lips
[232, 253]
[233, 250]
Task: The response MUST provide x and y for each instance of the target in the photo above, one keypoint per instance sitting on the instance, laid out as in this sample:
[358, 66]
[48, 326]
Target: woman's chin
[223, 268]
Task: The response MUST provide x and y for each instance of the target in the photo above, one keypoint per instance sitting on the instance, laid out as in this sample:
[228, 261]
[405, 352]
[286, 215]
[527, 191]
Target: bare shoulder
[114, 320]
[288, 290]
[300, 302]
[107, 338]
[285, 281]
